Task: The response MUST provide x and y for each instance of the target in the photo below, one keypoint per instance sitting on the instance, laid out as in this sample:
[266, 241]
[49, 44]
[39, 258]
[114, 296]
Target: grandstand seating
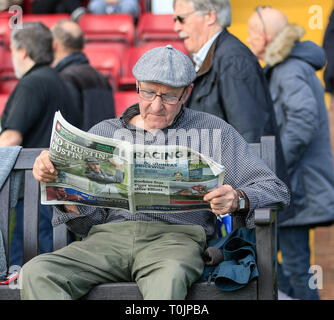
[124, 99]
[6, 65]
[108, 28]
[155, 27]
[107, 61]
[3, 100]
[48, 19]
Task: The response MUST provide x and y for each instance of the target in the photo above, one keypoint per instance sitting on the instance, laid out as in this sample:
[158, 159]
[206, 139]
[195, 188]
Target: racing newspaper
[104, 172]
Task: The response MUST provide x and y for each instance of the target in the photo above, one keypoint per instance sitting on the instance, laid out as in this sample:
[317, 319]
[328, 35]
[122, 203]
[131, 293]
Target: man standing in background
[301, 114]
[86, 84]
[230, 82]
[28, 115]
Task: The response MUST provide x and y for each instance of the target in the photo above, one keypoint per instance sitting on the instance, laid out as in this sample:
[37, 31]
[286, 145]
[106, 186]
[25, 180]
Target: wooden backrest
[25, 161]
[266, 151]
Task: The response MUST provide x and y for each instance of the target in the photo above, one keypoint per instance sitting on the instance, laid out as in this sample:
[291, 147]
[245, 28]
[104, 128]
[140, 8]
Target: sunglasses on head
[258, 11]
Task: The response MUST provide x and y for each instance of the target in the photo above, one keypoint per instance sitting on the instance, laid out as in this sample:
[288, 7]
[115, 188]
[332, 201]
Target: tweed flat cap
[91, 160]
[165, 65]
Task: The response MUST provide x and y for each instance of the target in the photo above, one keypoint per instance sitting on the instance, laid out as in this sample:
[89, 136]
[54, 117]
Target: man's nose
[157, 104]
[177, 26]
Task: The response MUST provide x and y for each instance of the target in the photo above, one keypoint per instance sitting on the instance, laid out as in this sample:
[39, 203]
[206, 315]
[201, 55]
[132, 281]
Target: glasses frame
[182, 17]
[162, 96]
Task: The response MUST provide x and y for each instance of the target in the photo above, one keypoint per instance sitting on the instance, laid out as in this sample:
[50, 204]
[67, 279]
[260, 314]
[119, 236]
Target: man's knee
[33, 269]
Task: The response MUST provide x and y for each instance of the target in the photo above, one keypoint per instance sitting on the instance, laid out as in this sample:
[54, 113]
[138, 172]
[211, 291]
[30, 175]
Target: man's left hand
[223, 200]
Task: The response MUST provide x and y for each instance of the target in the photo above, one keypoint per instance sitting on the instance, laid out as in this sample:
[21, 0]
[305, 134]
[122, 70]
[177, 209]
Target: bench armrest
[265, 216]
[266, 250]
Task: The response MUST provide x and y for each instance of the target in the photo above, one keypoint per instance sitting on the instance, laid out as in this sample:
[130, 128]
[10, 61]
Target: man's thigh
[170, 261]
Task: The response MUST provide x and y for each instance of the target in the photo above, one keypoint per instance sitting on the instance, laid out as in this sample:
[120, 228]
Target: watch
[242, 202]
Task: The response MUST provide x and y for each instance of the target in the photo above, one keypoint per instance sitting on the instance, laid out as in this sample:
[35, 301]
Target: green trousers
[163, 259]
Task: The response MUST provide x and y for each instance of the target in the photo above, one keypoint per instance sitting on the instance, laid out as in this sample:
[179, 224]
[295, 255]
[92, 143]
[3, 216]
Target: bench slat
[5, 215]
[30, 216]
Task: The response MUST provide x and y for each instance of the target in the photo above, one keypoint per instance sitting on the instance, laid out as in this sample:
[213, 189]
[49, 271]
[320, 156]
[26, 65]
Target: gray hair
[222, 8]
[36, 38]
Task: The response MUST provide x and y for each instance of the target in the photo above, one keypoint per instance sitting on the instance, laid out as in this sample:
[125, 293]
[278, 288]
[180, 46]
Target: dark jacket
[329, 49]
[91, 91]
[302, 116]
[32, 104]
[231, 85]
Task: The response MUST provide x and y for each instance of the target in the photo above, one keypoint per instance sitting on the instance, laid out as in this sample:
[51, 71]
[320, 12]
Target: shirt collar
[200, 56]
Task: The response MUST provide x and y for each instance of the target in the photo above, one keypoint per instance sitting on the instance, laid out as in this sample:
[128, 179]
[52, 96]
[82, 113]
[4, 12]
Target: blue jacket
[329, 49]
[301, 114]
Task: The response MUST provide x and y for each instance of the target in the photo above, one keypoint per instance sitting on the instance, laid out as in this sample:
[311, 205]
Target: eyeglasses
[181, 17]
[165, 98]
[258, 9]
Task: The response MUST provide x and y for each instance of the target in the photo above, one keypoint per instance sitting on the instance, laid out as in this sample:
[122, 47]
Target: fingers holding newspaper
[223, 200]
[43, 169]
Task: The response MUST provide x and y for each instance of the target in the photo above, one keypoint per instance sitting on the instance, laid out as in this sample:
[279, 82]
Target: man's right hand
[43, 169]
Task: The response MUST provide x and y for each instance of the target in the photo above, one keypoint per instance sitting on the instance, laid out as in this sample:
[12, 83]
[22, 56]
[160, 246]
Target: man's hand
[43, 169]
[223, 200]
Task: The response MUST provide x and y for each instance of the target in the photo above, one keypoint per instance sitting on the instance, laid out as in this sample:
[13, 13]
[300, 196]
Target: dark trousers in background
[45, 230]
[55, 6]
[293, 273]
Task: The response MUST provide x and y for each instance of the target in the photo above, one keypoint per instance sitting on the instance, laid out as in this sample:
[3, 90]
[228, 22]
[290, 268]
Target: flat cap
[165, 65]
[91, 160]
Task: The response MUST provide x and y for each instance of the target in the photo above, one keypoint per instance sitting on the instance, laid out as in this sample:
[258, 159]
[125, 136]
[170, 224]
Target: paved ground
[324, 257]
[324, 245]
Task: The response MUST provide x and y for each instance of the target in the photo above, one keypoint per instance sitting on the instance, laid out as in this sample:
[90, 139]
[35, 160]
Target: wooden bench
[263, 288]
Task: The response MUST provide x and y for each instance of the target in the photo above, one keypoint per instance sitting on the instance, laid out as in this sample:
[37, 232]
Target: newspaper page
[92, 170]
[104, 172]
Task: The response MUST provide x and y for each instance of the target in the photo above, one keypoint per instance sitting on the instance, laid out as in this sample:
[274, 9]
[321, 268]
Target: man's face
[17, 61]
[193, 30]
[157, 114]
[95, 167]
[256, 39]
[61, 192]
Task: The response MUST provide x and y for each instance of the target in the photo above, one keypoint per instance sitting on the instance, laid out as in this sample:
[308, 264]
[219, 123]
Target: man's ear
[24, 53]
[54, 45]
[211, 17]
[188, 92]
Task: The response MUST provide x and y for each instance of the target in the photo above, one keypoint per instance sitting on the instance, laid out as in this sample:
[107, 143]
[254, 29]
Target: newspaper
[104, 172]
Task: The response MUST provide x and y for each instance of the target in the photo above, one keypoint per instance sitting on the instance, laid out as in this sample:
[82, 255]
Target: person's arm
[301, 115]
[10, 138]
[246, 172]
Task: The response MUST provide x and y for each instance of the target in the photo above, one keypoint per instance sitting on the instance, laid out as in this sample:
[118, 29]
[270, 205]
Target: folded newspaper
[104, 172]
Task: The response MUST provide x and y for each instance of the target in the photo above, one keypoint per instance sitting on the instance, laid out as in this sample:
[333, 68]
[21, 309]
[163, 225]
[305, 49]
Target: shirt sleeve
[246, 171]
[25, 110]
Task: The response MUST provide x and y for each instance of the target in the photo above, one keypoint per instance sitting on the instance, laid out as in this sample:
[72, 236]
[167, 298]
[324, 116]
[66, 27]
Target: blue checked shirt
[206, 134]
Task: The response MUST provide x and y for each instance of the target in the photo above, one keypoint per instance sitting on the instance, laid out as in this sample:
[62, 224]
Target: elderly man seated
[161, 252]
